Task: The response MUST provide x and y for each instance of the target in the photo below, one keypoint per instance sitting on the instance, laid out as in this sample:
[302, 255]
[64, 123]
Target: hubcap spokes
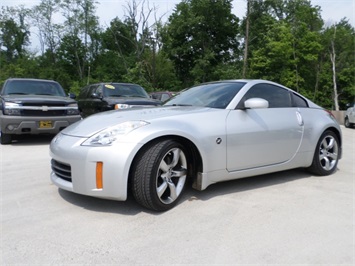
[328, 153]
[171, 175]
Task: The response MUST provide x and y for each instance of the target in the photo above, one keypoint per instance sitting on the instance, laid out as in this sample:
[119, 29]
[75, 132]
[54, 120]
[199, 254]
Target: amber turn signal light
[99, 166]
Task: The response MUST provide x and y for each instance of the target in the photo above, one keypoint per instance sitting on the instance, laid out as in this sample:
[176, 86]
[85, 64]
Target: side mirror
[95, 96]
[256, 103]
[72, 95]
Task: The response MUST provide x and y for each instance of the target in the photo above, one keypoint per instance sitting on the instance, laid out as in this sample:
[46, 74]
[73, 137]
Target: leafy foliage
[200, 41]
[200, 36]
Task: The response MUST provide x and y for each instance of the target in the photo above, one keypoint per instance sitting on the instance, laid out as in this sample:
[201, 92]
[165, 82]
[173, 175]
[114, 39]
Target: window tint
[34, 87]
[98, 90]
[298, 101]
[214, 95]
[124, 90]
[276, 96]
[93, 89]
[164, 97]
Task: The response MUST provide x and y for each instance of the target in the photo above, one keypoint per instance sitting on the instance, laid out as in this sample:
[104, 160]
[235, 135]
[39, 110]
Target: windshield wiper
[135, 95]
[117, 95]
[178, 104]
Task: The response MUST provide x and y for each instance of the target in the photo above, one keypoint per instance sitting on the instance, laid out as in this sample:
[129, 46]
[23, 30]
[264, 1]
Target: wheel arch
[194, 157]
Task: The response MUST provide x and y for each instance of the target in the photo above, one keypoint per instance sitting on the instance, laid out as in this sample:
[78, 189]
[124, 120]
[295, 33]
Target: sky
[332, 10]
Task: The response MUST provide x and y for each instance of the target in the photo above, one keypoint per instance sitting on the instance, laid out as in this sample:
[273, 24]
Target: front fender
[209, 138]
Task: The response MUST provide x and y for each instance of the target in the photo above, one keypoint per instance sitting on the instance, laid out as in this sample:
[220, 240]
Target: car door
[97, 99]
[82, 100]
[265, 136]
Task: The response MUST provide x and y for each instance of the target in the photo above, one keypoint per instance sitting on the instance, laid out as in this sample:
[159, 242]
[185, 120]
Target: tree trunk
[332, 59]
[246, 42]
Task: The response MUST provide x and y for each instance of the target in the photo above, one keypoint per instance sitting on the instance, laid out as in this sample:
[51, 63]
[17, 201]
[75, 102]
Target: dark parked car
[34, 106]
[102, 97]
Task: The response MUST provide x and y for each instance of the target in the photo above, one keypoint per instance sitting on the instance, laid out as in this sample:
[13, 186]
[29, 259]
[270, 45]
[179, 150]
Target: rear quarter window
[298, 101]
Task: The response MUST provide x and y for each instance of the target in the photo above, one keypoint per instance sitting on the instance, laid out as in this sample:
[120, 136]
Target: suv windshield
[33, 87]
[124, 90]
[215, 95]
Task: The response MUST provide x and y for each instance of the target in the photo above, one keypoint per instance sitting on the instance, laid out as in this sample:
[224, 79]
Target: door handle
[299, 118]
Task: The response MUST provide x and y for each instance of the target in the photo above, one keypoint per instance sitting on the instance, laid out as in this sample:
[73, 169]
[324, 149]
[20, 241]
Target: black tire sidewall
[5, 138]
[346, 122]
[145, 179]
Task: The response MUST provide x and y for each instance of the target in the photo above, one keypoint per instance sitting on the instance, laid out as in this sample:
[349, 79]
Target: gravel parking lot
[286, 218]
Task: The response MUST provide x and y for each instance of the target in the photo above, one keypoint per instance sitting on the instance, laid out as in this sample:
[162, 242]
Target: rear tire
[159, 175]
[326, 155]
[5, 138]
[347, 123]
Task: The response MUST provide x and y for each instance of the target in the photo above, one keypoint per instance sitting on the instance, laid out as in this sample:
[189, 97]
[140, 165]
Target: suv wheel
[5, 138]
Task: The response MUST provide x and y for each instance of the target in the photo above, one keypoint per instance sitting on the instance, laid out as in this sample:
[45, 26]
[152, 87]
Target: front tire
[159, 175]
[5, 138]
[326, 155]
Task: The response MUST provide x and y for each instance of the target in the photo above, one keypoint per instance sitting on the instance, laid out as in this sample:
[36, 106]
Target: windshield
[215, 95]
[33, 87]
[124, 90]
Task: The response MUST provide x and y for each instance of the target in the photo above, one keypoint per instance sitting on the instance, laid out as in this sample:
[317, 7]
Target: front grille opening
[44, 113]
[41, 104]
[61, 170]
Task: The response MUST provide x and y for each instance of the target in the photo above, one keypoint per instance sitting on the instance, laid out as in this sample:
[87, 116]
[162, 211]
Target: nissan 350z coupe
[209, 133]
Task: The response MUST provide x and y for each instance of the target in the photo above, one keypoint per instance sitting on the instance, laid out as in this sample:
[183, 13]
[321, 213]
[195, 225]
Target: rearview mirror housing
[256, 103]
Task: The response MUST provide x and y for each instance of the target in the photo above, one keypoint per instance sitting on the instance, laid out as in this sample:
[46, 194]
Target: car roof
[30, 79]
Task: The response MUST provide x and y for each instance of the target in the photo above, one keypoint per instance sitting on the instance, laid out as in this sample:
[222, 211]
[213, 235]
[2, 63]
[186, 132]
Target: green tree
[258, 23]
[49, 33]
[274, 60]
[338, 71]
[117, 41]
[291, 44]
[14, 32]
[81, 24]
[200, 36]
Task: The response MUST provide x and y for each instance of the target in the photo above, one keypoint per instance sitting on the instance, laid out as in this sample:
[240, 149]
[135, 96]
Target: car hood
[95, 123]
[36, 99]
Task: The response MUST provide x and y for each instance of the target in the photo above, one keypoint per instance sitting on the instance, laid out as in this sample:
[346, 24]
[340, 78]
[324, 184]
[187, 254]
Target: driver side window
[276, 96]
[94, 89]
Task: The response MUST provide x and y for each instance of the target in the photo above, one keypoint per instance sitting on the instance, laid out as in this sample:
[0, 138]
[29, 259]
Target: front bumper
[18, 125]
[82, 162]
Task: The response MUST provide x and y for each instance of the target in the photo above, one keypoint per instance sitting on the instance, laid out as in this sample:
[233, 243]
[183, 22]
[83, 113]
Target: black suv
[34, 106]
[102, 97]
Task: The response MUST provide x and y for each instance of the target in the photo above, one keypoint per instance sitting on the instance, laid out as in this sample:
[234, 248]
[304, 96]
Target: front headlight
[111, 134]
[73, 109]
[12, 108]
[121, 106]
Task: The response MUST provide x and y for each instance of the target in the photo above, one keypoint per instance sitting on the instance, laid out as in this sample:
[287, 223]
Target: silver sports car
[209, 133]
